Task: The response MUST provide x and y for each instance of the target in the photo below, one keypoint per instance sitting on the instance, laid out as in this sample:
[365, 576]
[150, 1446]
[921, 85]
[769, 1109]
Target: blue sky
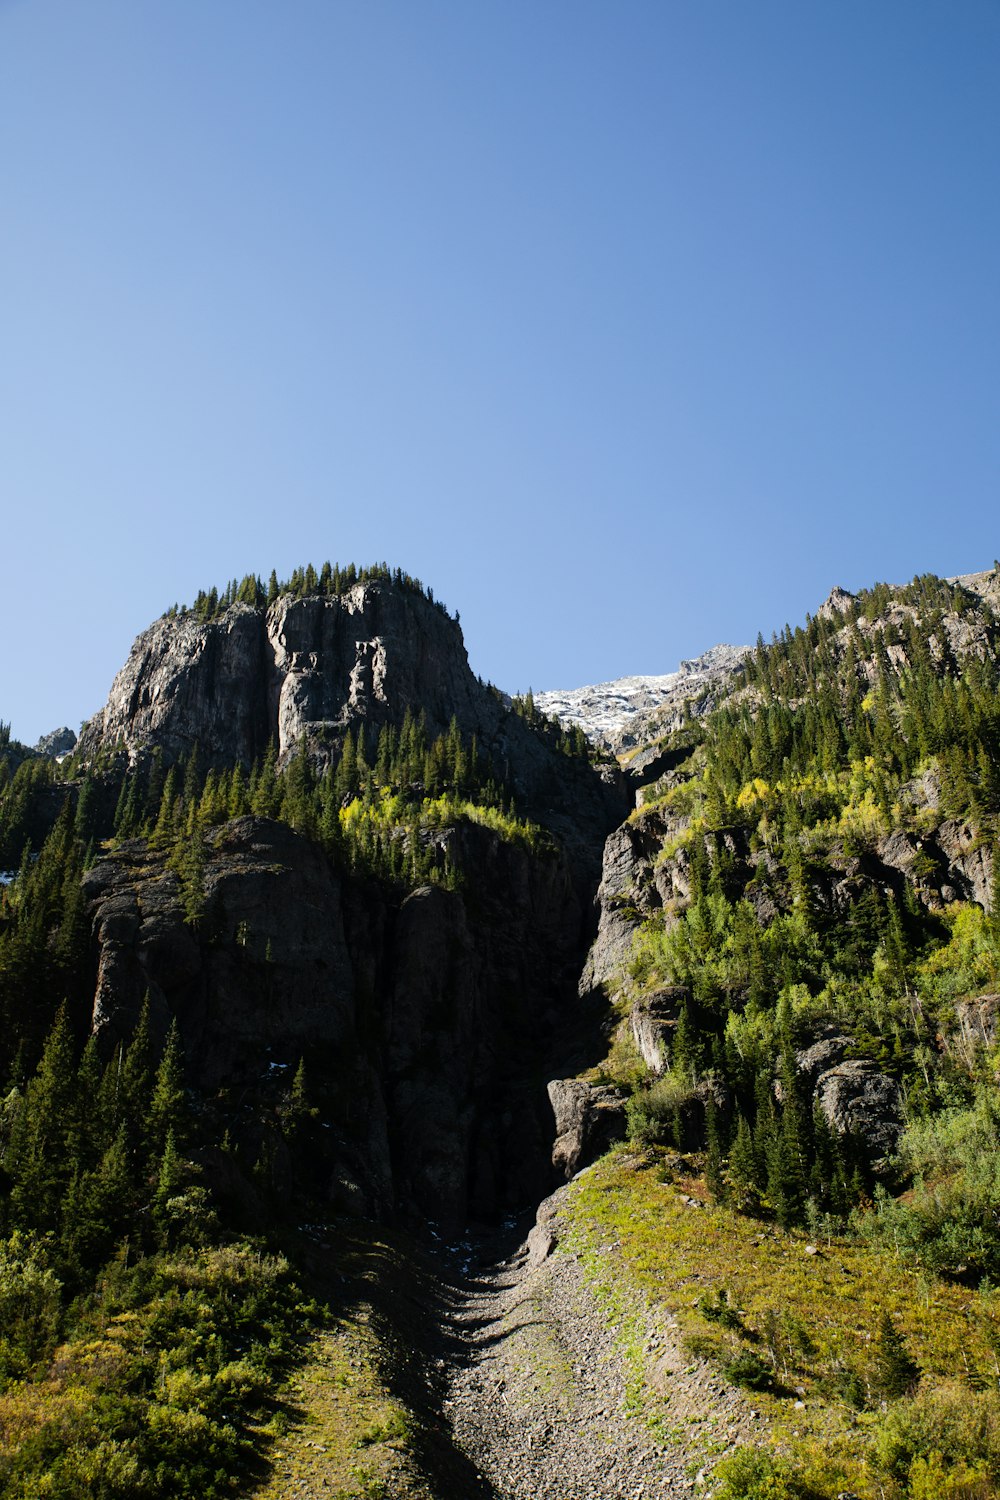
[629, 327]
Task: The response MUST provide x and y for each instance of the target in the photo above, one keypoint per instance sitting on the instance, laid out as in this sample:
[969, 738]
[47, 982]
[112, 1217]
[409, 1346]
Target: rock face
[589, 1119]
[57, 742]
[653, 1019]
[812, 1062]
[859, 1100]
[424, 1024]
[979, 1020]
[313, 668]
[630, 890]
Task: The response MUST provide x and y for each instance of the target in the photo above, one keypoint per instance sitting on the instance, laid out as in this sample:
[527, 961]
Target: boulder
[589, 1118]
[859, 1100]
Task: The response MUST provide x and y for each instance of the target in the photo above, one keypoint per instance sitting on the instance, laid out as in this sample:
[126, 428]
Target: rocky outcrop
[306, 666]
[307, 670]
[589, 1118]
[837, 602]
[948, 864]
[814, 1061]
[979, 1020]
[652, 1020]
[969, 871]
[424, 1022]
[57, 743]
[859, 1100]
[630, 890]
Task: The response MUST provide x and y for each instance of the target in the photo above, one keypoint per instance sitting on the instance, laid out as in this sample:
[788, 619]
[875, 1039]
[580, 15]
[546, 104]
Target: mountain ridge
[359, 888]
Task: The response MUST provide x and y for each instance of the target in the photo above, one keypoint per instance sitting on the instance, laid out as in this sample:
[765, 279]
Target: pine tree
[896, 1372]
[743, 1168]
[188, 860]
[345, 781]
[687, 1051]
[136, 1081]
[170, 1177]
[168, 1106]
[44, 1148]
[714, 1178]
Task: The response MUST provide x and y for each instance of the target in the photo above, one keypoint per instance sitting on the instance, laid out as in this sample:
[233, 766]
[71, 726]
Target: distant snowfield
[604, 708]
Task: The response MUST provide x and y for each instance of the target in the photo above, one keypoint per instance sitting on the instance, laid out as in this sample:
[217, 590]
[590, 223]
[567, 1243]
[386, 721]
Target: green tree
[895, 1372]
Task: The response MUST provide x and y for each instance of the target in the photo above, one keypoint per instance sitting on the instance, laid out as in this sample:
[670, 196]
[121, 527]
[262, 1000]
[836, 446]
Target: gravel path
[541, 1397]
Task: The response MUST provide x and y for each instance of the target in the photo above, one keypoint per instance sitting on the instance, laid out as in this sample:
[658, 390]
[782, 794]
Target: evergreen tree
[44, 1148]
[168, 1107]
[896, 1372]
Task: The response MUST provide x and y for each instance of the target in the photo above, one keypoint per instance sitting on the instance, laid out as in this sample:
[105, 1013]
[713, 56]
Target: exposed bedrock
[316, 667]
[426, 1025]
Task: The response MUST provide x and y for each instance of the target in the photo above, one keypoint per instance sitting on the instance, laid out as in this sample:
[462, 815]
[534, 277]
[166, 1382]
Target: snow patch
[604, 708]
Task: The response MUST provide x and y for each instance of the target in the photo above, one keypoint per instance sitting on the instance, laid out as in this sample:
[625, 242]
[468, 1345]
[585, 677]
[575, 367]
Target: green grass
[812, 1319]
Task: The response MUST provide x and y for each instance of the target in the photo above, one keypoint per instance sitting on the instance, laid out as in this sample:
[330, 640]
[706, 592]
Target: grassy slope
[816, 1314]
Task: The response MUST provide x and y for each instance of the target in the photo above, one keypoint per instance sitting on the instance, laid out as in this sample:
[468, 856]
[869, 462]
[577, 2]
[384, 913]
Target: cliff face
[317, 667]
[313, 666]
[428, 1019]
[425, 1021]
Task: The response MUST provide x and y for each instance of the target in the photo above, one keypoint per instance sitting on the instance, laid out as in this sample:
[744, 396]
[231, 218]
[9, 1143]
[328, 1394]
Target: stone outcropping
[859, 1100]
[589, 1118]
[57, 743]
[310, 669]
[423, 1022]
[979, 1020]
[653, 1018]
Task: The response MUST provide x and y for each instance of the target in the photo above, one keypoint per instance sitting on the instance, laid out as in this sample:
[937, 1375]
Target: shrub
[30, 1297]
[749, 1370]
[951, 1428]
[654, 1115]
[719, 1309]
[749, 1474]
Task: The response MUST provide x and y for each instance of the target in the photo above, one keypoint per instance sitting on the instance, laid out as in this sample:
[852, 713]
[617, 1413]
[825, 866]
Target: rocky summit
[406, 1097]
[630, 710]
[307, 670]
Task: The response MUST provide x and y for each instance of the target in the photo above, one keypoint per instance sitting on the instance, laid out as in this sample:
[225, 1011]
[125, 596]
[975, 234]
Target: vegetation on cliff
[819, 898]
[331, 581]
[826, 897]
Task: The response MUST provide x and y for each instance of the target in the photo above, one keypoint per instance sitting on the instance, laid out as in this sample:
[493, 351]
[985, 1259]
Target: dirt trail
[540, 1394]
[515, 1380]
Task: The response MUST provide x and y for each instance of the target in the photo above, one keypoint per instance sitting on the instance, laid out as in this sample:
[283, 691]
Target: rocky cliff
[429, 1019]
[425, 1019]
[305, 666]
[310, 669]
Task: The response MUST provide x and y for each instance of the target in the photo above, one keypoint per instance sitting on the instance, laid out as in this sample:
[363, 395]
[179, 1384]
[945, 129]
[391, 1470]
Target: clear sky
[630, 327]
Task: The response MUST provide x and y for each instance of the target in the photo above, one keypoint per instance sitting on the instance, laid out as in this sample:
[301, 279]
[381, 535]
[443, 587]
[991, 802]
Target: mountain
[305, 671]
[318, 943]
[630, 711]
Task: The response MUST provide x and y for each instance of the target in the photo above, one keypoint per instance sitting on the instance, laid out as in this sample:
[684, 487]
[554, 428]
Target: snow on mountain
[614, 713]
